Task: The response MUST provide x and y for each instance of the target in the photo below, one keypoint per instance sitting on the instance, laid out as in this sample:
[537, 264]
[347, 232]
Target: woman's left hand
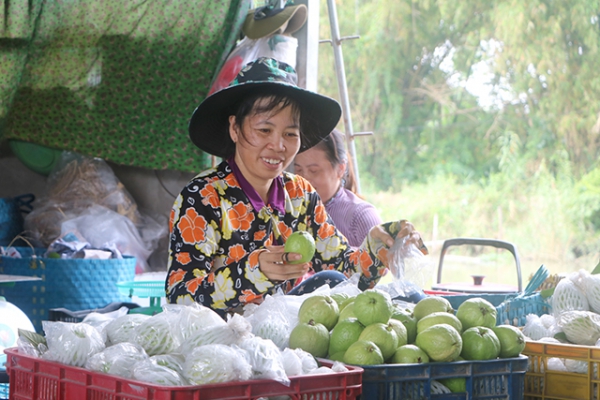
[406, 230]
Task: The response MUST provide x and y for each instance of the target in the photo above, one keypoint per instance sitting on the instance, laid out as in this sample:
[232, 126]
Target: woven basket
[74, 284]
[11, 216]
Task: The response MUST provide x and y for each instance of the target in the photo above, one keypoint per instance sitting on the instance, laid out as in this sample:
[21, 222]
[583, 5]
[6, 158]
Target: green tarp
[115, 79]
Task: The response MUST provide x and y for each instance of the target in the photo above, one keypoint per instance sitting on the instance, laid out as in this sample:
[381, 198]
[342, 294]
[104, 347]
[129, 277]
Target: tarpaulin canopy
[112, 79]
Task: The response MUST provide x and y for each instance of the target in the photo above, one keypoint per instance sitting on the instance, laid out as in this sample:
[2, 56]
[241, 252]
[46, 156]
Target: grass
[545, 218]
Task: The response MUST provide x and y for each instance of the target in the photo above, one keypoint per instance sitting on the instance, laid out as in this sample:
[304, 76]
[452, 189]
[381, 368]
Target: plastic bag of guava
[272, 320]
[155, 334]
[71, 343]
[151, 372]
[118, 359]
[236, 329]
[265, 358]
[216, 363]
[191, 318]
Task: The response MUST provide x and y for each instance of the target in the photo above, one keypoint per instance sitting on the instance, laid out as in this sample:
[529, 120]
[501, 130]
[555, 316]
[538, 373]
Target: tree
[407, 79]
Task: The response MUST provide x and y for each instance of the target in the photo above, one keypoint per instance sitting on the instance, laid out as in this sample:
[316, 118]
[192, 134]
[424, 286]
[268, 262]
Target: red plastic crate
[33, 378]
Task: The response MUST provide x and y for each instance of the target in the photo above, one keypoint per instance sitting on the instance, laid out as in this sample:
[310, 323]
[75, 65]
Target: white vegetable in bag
[216, 363]
[172, 361]
[118, 359]
[580, 327]
[71, 343]
[148, 371]
[265, 358]
[122, 329]
[155, 335]
[192, 318]
[568, 297]
[233, 331]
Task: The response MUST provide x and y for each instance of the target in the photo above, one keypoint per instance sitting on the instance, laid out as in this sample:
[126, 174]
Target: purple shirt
[353, 216]
[276, 198]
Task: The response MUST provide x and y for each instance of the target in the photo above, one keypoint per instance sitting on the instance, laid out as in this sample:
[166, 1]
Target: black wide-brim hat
[209, 125]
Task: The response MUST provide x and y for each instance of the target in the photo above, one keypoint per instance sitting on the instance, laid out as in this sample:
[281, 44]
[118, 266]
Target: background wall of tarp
[115, 79]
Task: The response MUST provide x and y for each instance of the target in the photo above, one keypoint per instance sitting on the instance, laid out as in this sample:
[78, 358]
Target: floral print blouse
[216, 237]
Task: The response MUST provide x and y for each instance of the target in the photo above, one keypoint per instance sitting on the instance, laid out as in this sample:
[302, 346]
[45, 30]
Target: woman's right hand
[274, 263]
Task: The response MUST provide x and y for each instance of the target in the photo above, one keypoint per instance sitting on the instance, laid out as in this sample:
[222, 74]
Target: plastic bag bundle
[155, 334]
[236, 329]
[272, 320]
[265, 358]
[171, 361]
[280, 47]
[117, 360]
[151, 372]
[71, 343]
[193, 317]
[292, 364]
[216, 363]
[122, 329]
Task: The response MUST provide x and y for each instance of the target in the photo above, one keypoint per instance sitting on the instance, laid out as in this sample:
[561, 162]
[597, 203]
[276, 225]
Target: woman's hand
[274, 263]
[406, 230]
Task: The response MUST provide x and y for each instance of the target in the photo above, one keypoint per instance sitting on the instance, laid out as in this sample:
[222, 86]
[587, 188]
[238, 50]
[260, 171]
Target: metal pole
[336, 42]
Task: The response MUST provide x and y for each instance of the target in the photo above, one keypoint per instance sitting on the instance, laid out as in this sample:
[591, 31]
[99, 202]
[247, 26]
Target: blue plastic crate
[511, 309]
[492, 379]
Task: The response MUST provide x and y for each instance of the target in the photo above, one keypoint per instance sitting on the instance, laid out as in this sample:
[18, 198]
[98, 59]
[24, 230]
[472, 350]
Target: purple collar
[276, 194]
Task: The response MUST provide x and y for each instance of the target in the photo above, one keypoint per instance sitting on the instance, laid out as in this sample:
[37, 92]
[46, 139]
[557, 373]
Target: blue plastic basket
[492, 379]
[74, 284]
[11, 216]
[4, 388]
[511, 309]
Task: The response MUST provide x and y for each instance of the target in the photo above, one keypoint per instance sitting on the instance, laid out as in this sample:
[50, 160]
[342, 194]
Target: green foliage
[406, 80]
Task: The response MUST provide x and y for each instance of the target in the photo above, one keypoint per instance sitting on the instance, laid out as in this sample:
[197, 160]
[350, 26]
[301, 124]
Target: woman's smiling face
[267, 142]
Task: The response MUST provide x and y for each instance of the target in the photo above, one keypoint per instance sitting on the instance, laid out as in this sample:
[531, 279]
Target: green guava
[441, 342]
[320, 308]
[303, 243]
[373, 306]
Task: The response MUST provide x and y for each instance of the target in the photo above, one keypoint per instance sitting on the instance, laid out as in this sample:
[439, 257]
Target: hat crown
[265, 69]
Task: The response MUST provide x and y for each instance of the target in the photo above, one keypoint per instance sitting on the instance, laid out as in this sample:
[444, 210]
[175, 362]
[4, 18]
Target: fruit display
[371, 330]
[187, 345]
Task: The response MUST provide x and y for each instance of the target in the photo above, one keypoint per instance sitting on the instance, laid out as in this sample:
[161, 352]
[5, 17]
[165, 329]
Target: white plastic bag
[279, 47]
[410, 270]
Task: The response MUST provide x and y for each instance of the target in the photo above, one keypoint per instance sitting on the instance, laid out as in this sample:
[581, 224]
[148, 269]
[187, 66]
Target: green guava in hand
[303, 243]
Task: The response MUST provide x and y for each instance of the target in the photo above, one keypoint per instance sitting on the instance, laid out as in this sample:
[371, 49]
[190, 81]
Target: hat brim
[295, 16]
[209, 125]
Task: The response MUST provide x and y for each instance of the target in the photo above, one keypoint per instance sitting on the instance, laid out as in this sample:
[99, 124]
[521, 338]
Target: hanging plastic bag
[280, 47]
[410, 271]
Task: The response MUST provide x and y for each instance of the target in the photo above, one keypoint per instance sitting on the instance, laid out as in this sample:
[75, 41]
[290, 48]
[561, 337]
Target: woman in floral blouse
[229, 224]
